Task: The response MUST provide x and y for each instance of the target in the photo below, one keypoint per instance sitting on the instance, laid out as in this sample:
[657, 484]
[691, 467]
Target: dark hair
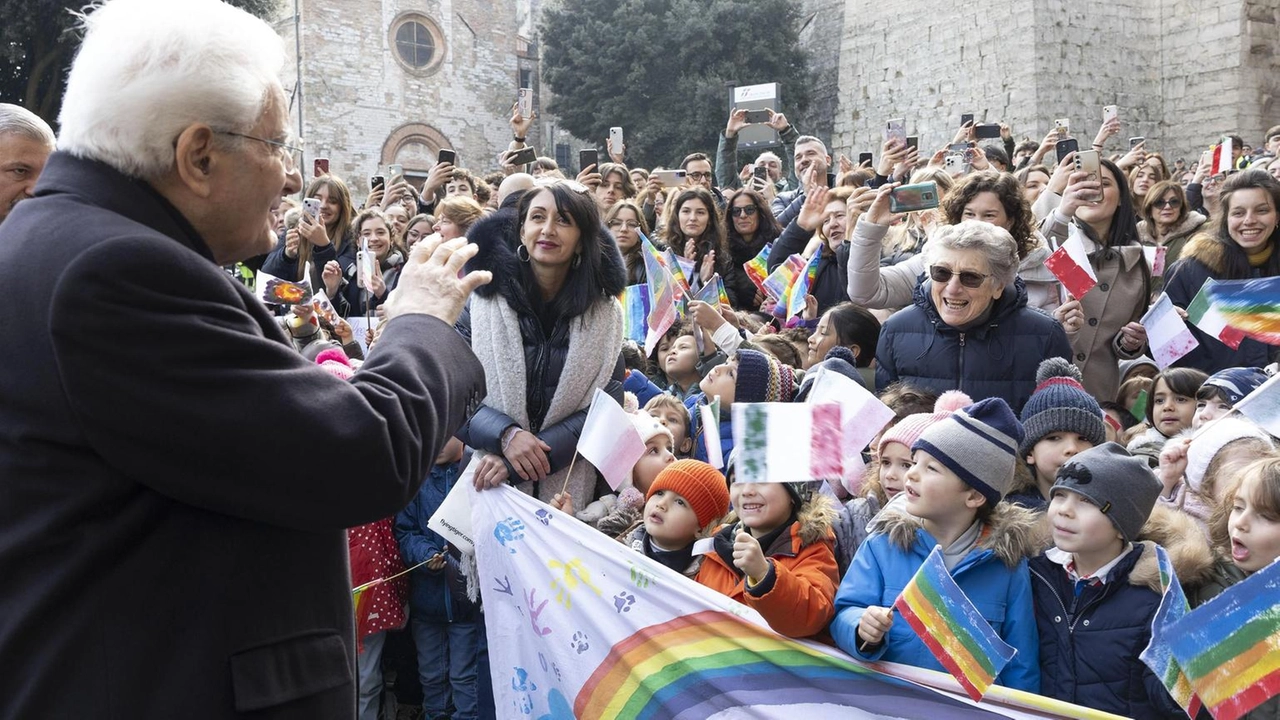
[633, 357]
[628, 185]
[693, 157]
[856, 177]
[1213, 392]
[583, 286]
[996, 154]
[1127, 420]
[713, 238]
[1026, 146]
[1158, 191]
[634, 257]
[1182, 381]
[1025, 172]
[779, 347]
[905, 399]
[1124, 223]
[855, 325]
[1236, 265]
[766, 232]
[1009, 192]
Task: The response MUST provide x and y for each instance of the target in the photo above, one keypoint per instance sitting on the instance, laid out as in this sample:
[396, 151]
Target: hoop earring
[577, 260]
[522, 253]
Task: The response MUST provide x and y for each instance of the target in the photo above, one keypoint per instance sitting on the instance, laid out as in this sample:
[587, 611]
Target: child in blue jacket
[962, 467]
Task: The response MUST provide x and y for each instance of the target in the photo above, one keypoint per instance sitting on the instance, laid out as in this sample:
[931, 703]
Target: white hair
[17, 120]
[149, 69]
[994, 242]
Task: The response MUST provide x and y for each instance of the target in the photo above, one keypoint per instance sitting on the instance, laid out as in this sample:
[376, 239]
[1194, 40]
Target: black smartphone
[989, 131]
[913, 141]
[447, 156]
[966, 119]
[831, 180]
[864, 158]
[757, 117]
[523, 156]
[1066, 147]
[587, 158]
[377, 182]
[760, 171]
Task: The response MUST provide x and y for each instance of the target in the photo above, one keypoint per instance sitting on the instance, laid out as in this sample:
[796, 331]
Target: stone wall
[821, 28]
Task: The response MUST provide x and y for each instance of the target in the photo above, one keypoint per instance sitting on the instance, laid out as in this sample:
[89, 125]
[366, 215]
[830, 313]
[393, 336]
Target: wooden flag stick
[570, 473]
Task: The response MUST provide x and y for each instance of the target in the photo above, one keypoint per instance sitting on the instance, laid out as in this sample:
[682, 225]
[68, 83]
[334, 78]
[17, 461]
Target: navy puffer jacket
[997, 359]
[434, 595]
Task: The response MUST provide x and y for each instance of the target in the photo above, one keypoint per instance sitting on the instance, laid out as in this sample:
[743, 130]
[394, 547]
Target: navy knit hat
[978, 443]
[1060, 404]
[761, 378]
[839, 359]
[1236, 382]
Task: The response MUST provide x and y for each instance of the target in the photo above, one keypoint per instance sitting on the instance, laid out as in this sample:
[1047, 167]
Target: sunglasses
[968, 279]
[1170, 203]
[744, 211]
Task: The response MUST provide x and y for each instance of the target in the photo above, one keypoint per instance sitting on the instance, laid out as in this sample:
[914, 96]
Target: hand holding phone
[311, 206]
[895, 129]
[524, 102]
[523, 156]
[758, 117]
[395, 173]
[910, 198]
[320, 167]
[1064, 126]
[966, 119]
[1109, 113]
[587, 158]
[669, 178]
[1066, 147]
[447, 156]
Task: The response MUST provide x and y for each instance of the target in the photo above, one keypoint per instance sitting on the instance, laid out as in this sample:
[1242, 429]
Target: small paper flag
[662, 299]
[802, 285]
[1070, 264]
[1224, 156]
[862, 415]
[758, 267]
[782, 277]
[1262, 406]
[1155, 259]
[1167, 334]
[952, 628]
[1253, 306]
[1157, 655]
[635, 312]
[1139, 409]
[677, 269]
[787, 442]
[609, 439]
[277, 291]
[710, 416]
[1203, 314]
[713, 292]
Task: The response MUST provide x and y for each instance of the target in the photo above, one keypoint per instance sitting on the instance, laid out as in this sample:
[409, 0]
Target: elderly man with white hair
[25, 144]
[175, 479]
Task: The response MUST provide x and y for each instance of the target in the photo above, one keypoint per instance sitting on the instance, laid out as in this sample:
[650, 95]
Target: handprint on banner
[509, 530]
[521, 682]
[535, 612]
[641, 577]
[573, 573]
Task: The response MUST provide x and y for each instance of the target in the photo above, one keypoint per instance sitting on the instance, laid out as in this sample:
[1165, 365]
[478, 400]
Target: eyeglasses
[968, 279]
[290, 154]
[698, 175]
[742, 211]
[628, 224]
[1169, 203]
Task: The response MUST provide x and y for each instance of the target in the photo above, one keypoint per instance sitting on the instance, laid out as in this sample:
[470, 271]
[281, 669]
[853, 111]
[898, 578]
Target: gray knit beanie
[1060, 404]
[1121, 485]
[978, 443]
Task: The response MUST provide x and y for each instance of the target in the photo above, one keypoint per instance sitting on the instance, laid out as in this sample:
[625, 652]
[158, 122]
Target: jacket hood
[1205, 248]
[495, 236]
[815, 520]
[1184, 541]
[1013, 299]
[1013, 533]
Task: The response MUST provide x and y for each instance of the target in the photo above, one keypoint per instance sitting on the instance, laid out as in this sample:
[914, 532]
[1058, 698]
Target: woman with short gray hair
[969, 327]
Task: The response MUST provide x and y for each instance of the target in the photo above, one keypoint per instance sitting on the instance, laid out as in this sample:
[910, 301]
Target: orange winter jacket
[797, 597]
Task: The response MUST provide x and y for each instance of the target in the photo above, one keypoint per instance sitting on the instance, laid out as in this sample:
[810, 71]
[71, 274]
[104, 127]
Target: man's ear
[195, 159]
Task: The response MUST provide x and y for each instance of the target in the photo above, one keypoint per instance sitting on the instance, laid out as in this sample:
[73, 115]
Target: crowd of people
[1033, 438]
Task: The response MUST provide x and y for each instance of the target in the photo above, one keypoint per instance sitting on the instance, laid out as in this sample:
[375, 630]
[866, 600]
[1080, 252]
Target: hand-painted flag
[862, 415]
[782, 277]
[802, 285]
[635, 312]
[1155, 258]
[1262, 406]
[662, 299]
[1227, 647]
[1224, 156]
[609, 439]
[677, 268]
[952, 628]
[1202, 313]
[1139, 409]
[709, 414]
[1070, 264]
[758, 267]
[713, 292]
[591, 629]
[787, 442]
[323, 307]
[277, 291]
[1167, 334]
[1157, 655]
[1250, 305]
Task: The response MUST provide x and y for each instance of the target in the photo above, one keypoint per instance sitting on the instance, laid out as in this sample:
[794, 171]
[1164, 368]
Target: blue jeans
[369, 665]
[449, 657]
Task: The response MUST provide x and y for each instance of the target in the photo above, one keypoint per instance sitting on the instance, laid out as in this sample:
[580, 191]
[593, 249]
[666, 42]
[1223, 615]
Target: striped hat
[907, 430]
[761, 378]
[978, 443]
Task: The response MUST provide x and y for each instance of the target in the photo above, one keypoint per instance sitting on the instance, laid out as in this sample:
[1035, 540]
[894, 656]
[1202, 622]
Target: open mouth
[955, 305]
[1239, 552]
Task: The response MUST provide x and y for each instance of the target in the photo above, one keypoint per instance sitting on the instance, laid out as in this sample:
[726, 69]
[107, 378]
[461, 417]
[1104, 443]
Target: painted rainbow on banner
[952, 628]
[701, 664]
[1252, 306]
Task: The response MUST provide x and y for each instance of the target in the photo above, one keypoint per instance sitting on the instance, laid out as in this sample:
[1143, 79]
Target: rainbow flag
[1252, 306]
[1204, 314]
[758, 267]
[680, 270]
[635, 312]
[1157, 655]
[782, 277]
[662, 296]
[802, 285]
[713, 292]
[788, 442]
[1228, 646]
[952, 628]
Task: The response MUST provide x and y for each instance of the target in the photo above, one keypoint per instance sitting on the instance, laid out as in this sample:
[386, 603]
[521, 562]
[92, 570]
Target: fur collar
[1185, 542]
[1208, 251]
[1014, 532]
[815, 520]
[495, 235]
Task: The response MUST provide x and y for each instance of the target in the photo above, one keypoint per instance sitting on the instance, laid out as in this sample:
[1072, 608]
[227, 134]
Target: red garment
[376, 555]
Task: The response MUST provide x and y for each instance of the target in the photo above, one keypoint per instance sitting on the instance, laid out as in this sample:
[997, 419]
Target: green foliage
[38, 40]
[663, 69]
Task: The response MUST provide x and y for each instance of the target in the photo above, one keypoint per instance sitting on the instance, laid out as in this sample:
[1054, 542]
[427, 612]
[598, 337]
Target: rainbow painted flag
[757, 268]
[1205, 315]
[677, 269]
[635, 312]
[662, 298]
[782, 278]
[802, 285]
[1229, 647]
[713, 292]
[788, 442]
[1157, 655]
[952, 628]
[1252, 306]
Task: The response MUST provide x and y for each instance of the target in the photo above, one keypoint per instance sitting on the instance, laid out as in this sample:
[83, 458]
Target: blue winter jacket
[1091, 636]
[993, 575]
[434, 595]
[997, 359]
[695, 428]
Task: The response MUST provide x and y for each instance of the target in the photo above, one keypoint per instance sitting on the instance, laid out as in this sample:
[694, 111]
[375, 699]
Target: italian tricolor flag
[1202, 313]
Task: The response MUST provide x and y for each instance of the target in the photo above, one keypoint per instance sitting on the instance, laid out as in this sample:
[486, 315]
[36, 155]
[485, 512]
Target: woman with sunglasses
[751, 226]
[1168, 220]
[548, 331]
[970, 328]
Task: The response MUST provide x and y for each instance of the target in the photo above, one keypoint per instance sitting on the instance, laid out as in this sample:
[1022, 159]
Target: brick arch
[414, 145]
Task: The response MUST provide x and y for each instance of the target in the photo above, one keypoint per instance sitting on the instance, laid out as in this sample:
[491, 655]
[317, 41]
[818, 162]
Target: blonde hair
[1267, 499]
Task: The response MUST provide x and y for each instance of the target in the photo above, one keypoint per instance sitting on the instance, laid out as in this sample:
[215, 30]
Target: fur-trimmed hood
[496, 238]
[1013, 533]
[1185, 543]
[1206, 248]
[816, 517]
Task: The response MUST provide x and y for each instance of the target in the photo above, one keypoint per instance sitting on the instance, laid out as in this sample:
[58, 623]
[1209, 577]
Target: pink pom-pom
[333, 355]
[951, 400]
[630, 403]
[631, 498]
